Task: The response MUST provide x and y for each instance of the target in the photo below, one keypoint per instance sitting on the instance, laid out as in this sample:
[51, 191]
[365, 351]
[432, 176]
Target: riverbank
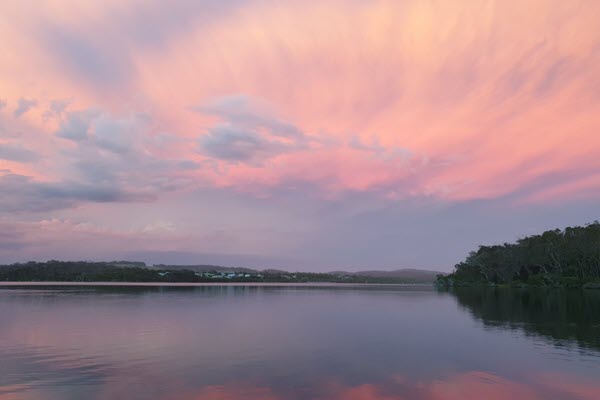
[212, 284]
[570, 284]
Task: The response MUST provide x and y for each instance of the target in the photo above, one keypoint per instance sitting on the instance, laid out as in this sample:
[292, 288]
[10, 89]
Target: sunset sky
[294, 134]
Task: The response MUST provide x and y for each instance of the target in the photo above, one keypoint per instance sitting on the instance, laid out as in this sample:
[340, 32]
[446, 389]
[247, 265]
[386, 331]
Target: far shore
[200, 284]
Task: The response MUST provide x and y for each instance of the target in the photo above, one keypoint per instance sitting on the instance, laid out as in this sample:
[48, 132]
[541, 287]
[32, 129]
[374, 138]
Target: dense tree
[569, 257]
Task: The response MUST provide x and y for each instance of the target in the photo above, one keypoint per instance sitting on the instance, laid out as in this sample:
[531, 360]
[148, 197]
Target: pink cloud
[471, 88]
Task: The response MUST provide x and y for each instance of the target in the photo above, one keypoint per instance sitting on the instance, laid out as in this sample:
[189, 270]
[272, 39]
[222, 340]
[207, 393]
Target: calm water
[228, 343]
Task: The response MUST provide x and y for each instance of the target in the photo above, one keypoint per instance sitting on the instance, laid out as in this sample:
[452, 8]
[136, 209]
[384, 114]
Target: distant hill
[275, 271]
[203, 268]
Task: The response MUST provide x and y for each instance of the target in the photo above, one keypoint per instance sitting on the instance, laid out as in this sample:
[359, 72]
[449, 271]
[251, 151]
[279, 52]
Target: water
[356, 343]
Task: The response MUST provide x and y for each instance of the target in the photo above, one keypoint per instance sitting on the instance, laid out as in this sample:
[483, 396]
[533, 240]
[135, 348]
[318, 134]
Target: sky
[310, 136]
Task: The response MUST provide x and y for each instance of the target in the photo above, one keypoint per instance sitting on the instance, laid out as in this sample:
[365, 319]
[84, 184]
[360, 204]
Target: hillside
[204, 268]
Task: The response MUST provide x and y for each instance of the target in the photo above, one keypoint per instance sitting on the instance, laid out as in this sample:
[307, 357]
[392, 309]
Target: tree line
[86, 271]
[568, 258]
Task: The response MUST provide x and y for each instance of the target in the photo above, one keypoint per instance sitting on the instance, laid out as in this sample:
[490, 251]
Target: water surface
[297, 342]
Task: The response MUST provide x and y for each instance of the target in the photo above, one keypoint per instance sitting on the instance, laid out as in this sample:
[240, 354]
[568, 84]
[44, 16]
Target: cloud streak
[21, 193]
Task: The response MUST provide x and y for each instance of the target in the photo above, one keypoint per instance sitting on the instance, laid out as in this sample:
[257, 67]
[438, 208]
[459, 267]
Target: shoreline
[212, 284]
[519, 285]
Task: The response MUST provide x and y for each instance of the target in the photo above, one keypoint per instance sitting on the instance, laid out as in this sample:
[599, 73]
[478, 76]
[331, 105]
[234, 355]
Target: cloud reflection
[460, 386]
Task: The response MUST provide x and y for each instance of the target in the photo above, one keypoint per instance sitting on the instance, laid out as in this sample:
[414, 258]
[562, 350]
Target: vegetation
[557, 258]
[123, 271]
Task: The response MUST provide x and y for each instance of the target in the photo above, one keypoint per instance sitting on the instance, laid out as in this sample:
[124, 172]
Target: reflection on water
[297, 343]
[563, 316]
[471, 385]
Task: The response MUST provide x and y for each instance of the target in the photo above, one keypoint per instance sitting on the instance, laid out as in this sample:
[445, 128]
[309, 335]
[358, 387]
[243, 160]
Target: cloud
[16, 152]
[87, 58]
[247, 111]
[455, 83]
[112, 159]
[74, 191]
[249, 132]
[160, 227]
[117, 135]
[122, 151]
[76, 125]
[379, 151]
[23, 106]
[22, 193]
[93, 126]
[56, 108]
[231, 143]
